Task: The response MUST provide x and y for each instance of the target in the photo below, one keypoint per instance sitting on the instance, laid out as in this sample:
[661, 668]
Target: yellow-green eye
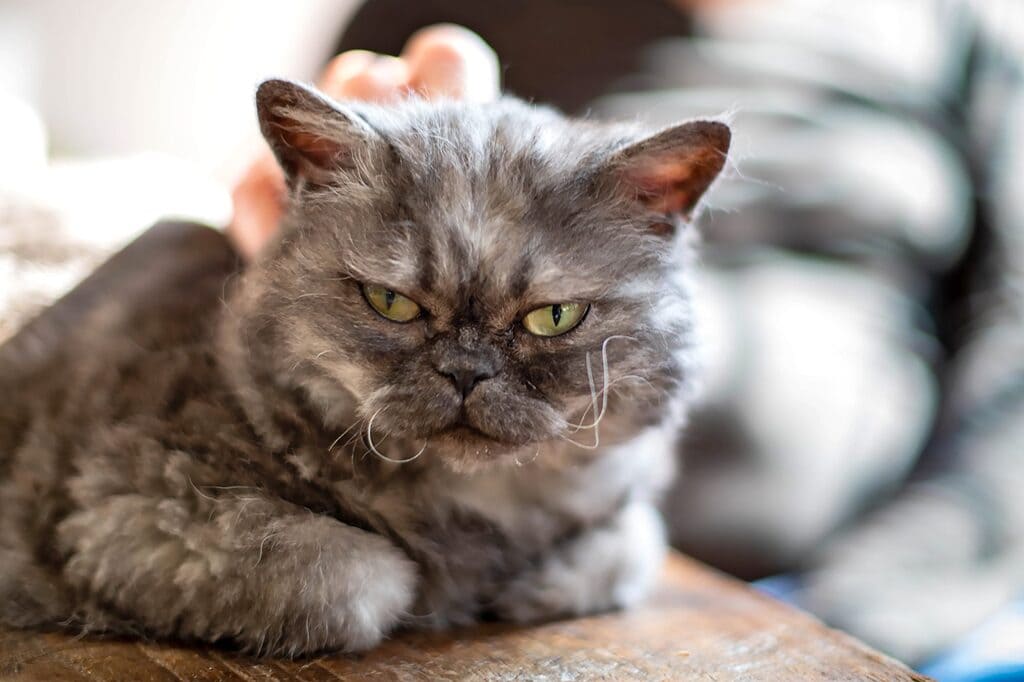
[552, 320]
[391, 304]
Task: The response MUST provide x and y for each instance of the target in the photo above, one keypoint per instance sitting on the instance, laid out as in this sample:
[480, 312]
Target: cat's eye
[555, 319]
[391, 304]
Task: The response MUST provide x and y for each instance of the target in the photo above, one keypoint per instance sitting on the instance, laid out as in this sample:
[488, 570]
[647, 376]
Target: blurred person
[864, 411]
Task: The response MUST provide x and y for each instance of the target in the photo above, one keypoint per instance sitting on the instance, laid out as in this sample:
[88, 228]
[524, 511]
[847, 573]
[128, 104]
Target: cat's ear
[668, 172]
[311, 136]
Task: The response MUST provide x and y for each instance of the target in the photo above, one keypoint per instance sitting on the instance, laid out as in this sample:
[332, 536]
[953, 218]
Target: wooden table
[698, 625]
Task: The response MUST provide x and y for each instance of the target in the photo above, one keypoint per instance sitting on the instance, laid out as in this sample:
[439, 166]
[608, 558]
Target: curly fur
[257, 457]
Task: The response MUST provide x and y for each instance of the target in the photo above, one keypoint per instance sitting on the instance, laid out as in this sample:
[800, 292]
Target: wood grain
[698, 625]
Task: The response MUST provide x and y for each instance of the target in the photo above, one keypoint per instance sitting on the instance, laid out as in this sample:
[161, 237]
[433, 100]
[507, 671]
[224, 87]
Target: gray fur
[195, 459]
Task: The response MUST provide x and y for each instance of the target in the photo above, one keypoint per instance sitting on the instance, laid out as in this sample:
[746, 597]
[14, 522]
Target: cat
[449, 390]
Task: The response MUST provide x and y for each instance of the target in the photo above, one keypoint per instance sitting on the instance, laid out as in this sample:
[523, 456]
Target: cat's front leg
[265, 574]
[607, 567]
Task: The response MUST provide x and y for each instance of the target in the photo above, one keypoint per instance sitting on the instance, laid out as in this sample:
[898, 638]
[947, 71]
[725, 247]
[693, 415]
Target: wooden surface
[697, 626]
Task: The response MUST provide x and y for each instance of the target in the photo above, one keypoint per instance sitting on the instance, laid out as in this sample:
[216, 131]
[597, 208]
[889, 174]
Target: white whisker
[374, 450]
[599, 413]
[520, 463]
[342, 435]
[603, 393]
[585, 446]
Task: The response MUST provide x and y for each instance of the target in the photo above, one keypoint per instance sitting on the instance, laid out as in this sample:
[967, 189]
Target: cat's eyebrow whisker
[295, 300]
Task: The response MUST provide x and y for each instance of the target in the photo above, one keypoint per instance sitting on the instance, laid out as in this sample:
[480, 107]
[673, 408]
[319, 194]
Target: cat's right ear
[311, 136]
[667, 173]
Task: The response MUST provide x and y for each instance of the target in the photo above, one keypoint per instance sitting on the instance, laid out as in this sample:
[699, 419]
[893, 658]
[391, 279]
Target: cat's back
[106, 347]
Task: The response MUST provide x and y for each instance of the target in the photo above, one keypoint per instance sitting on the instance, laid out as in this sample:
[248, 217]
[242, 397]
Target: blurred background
[115, 113]
[860, 442]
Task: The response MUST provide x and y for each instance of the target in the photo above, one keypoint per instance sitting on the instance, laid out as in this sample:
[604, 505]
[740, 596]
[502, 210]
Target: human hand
[442, 61]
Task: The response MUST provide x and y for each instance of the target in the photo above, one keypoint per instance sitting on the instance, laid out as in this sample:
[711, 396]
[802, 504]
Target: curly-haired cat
[448, 390]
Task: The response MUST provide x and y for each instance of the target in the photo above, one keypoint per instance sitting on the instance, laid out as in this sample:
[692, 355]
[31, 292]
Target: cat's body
[264, 459]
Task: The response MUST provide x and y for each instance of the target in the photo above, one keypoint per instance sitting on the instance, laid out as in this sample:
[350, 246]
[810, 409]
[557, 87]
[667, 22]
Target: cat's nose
[466, 378]
[466, 359]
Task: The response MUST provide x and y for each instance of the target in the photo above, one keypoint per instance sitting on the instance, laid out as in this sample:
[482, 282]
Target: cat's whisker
[259, 556]
[298, 298]
[374, 450]
[310, 360]
[605, 390]
[593, 388]
[520, 463]
[200, 492]
[603, 393]
[354, 438]
[585, 446]
[599, 414]
[594, 393]
[401, 461]
[358, 422]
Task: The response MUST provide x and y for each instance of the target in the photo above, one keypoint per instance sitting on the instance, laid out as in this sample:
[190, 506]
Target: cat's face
[480, 280]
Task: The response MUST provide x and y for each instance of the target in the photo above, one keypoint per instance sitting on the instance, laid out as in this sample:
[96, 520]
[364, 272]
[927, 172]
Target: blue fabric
[993, 652]
[782, 587]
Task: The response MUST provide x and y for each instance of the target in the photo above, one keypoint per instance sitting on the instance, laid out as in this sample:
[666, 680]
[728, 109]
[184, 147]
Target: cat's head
[479, 280]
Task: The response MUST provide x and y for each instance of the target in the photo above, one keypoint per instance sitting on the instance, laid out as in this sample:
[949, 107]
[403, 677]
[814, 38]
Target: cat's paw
[349, 600]
[610, 567]
[292, 584]
[380, 593]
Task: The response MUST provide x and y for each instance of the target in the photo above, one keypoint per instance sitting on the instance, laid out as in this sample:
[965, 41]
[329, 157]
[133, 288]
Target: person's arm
[949, 551]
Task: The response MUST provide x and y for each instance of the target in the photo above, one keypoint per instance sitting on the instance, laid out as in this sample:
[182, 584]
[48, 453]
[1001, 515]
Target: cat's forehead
[489, 204]
[493, 200]
[482, 253]
[497, 141]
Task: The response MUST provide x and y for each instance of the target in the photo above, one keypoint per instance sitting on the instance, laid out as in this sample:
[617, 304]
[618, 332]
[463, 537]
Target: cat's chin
[465, 438]
[465, 448]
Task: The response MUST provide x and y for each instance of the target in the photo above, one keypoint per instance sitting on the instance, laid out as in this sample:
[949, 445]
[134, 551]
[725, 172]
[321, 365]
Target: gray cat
[448, 391]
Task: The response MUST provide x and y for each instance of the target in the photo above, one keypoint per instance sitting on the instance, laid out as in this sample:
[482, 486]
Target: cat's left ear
[311, 136]
[668, 172]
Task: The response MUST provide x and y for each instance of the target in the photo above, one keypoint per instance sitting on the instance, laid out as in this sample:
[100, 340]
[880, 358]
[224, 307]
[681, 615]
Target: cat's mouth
[467, 432]
[462, 432]
[487, 424]
[464, 445]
